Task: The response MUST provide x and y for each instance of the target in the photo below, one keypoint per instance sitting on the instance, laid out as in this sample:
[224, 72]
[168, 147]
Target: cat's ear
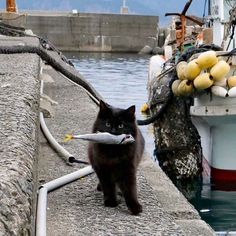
[103, 106]
[131, 111]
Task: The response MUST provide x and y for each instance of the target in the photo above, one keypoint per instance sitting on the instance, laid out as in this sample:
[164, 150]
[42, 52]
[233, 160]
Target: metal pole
[11, 6]
[124, 3]
[209, 7]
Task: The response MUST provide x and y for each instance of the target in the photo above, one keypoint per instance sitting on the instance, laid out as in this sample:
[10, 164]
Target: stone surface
[146, 50]
[195, 227]
[46, 106]
[19, 106]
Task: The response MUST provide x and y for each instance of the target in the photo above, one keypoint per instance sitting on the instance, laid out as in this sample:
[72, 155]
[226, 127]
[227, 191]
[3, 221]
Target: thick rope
[55, 61]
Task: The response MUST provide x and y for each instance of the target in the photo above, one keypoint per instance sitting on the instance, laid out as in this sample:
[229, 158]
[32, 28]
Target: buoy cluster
[206, 71]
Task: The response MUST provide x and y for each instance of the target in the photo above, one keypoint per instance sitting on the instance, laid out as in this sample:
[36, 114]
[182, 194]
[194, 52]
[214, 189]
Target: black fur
[116, 165]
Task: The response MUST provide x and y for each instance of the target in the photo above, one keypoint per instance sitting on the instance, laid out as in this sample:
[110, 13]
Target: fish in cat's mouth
[127, 139]
[104, 137]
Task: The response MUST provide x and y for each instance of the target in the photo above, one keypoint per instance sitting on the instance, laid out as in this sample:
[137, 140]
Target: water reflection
[217, 207]
[120, 79]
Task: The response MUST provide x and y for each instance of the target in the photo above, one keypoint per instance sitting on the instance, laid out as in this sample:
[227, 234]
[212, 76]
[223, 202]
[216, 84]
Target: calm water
[121, 79]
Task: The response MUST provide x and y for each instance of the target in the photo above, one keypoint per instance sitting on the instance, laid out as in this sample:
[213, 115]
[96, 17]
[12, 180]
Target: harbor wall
[95, 32]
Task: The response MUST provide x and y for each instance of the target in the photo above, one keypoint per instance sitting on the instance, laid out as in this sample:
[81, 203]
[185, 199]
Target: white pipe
[68, 178]
[61, 150]
[41, 220]
[41, 217]
[68, 157]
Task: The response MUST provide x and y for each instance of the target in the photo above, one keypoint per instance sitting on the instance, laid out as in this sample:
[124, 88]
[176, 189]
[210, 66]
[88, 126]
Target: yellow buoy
[203, 81]
[174, 87]
[185, 87]
[145, 107]
[180, 68]
[231, 81]
[219, 70]
[222, 83]
[207, 59]
[192, 70]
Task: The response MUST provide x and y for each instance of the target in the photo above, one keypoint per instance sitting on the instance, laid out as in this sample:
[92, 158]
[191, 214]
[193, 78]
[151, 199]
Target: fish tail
[68, 137]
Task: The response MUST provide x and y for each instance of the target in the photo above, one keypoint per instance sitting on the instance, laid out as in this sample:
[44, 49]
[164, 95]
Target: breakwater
[95, 32]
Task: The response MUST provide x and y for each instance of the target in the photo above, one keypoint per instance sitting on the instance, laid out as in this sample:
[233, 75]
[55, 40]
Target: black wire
[231, 53]
[73, 160]
[152, 118]
[231, 37]
[157, 115]
[162, 109]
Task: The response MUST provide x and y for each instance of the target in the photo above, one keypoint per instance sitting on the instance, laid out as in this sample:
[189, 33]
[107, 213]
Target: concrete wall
[95, 32]
[19, 107]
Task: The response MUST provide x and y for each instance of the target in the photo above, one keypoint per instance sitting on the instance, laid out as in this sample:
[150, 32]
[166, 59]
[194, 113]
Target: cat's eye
[120, 126]
[108, 124]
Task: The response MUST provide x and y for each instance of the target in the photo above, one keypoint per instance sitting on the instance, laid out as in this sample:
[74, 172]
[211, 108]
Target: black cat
[116, 165]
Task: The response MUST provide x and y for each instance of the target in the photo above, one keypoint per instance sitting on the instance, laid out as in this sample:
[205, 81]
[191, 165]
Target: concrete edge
[173, 201]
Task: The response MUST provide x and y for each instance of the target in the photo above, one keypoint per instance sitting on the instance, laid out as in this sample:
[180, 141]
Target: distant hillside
[147, 7]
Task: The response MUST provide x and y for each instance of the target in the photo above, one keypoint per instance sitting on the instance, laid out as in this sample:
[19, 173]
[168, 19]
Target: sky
[140, 7]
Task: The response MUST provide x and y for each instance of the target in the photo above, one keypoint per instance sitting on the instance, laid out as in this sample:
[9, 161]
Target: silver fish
[106, 138]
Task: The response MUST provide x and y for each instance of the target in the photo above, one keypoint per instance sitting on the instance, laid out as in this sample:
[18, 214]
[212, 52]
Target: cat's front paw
[136, 208]
[111, 203]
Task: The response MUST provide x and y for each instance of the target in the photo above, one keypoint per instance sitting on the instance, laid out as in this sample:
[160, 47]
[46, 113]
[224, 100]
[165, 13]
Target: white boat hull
[215, 120]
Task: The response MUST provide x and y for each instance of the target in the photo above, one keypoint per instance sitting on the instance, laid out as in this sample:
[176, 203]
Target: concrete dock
[76, 208]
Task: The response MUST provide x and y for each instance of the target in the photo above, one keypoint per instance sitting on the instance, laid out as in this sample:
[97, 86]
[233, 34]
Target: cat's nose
[113, 131]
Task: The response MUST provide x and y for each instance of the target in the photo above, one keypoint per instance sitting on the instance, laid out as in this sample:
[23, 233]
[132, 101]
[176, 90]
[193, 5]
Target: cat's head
[115, 120]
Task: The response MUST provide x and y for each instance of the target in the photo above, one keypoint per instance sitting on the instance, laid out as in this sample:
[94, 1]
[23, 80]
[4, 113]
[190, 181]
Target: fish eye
[108, 124]
[121, 126]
